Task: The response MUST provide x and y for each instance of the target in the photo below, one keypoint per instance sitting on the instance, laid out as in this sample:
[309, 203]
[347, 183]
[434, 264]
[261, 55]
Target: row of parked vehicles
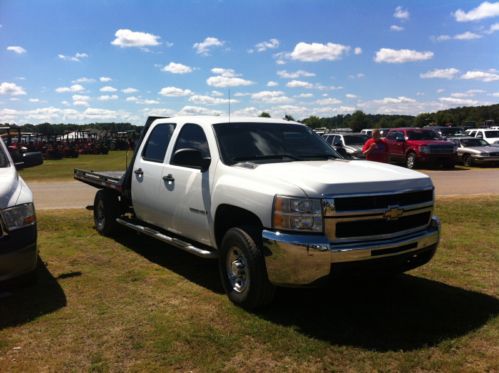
[413, 147]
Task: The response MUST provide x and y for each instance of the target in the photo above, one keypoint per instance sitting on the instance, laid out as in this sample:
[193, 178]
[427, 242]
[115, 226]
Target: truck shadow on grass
[405, 313]
[203, 272]
[21, 304]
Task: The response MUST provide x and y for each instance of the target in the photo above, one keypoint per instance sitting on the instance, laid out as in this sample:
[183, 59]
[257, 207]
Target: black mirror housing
[190, 157]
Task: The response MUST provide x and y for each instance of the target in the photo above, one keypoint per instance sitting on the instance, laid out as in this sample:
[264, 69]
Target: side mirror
[399, 139]
[190, 157]
[29, 159]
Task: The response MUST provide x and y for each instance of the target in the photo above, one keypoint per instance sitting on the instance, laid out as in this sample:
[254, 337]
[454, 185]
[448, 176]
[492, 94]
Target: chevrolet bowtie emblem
[393, 213]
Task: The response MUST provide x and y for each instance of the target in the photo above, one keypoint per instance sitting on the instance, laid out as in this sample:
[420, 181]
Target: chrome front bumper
[301, 260]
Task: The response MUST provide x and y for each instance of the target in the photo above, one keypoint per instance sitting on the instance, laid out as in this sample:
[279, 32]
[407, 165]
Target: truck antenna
[229, 105]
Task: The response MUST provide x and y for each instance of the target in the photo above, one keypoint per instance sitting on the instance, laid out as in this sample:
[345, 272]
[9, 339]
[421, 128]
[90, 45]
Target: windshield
[269, 143]
[3, 157]
[489, 134]
[422, 135]
[474, 142]
[355, 139]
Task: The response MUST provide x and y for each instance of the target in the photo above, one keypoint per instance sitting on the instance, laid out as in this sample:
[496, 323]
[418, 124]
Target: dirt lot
[459, 182]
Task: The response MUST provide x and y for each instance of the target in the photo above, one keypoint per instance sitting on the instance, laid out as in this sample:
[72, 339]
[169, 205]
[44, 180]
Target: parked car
[349, 145]
[416, 146]
[489, 135]
[471, 150]
[446, 132]
[18, 236]
[270, 200]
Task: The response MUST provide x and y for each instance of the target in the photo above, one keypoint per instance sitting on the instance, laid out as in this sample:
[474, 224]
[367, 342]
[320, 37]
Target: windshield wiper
[264, 157]
[320, 156]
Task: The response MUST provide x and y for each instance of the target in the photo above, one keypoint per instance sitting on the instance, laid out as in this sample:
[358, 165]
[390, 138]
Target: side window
[157, 143]
[192, 136]
[479, 134]
[337, 141]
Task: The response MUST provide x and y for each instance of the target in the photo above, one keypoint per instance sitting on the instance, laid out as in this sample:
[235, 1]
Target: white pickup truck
[271, 200]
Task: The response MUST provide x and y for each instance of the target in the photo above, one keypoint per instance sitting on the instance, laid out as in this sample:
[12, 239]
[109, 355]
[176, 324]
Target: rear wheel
[107, 208]
[242, 269]
[410, 160]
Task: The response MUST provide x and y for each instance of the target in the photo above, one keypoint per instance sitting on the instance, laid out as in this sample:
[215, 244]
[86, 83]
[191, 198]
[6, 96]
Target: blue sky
[90, 61]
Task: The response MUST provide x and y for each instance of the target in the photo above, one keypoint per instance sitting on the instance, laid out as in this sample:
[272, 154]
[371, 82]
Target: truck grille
[441, 149]
[377, 216]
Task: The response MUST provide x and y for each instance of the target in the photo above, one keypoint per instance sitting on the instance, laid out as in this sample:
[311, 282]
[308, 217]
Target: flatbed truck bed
[101, 179]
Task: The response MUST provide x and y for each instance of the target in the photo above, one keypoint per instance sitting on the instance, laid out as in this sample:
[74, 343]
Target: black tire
[410, 160]
[449, 165]
[242, 269]
[467, 161]
[107, 208]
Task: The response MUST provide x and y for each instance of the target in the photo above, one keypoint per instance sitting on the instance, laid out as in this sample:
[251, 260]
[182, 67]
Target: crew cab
[271, 200]
[349, 145]
[18, 235]
[415, 146]
[489, 135]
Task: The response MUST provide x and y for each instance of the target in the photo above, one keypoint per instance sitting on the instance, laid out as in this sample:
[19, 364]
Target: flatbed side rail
[98, 180]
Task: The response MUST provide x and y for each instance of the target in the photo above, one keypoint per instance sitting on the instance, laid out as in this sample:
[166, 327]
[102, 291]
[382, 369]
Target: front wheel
[410, 160]
[467, 161]
[242, 269]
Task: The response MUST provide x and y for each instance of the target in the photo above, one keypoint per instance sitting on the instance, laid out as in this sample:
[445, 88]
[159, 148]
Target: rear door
[148, 170]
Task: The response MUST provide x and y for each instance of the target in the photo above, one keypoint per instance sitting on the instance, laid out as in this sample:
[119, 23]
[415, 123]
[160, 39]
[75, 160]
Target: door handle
[138, 172]
[169, 179]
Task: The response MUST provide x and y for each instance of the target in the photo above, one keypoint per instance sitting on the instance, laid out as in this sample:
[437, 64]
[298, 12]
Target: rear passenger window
[157, 143]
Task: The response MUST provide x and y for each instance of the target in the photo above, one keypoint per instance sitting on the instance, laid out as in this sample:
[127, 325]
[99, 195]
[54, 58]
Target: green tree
[358, 121]
[312, 122]
[264, 114]
[288, 117]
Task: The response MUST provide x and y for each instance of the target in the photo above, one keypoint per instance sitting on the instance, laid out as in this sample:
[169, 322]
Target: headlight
[297, 214]
[484, 154]
[19, 216]
[424, 149]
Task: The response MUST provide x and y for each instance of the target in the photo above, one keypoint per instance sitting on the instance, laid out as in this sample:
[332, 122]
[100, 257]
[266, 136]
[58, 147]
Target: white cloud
[305, 95]
[76, 58]
[150, 102]
[16, 49]
[357, 76]
[160, 112]
[217, 94]
[196, 110]
[34, 100]
[132, 99]
[226, 78]
[396, 28]
[272, 97]
[467, 36]
[177, 68]
[208, 100]
[264, 45]
[126, 38]
[495, 94]
[485, 76]
[271, 83]
[296, 74]
[397, 100]
[107, 97]
[357, 51]
[401, 55]
[449, 73]
[484, 10]
[175, 92]
[493, 28]
[74, 89]
[80, 100]
[108, 88]
[401, 13]
[328, 101]
[458, 101]
[83, 80]
[315, 52]
[240, 94]
[299, 84]
[105, 79]
[442, 38]
[247, 112]
[350, 96]
[128, 91]
[203, 48]
[11, 89]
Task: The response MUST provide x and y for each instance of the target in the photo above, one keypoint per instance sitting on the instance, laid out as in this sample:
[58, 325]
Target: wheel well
[228, 216]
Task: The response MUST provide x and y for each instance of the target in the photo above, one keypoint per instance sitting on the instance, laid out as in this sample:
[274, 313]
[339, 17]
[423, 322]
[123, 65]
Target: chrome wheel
[411, 161]
[237, 270]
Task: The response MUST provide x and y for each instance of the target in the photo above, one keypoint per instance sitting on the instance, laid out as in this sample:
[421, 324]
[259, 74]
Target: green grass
[62, 169]
[133, 304]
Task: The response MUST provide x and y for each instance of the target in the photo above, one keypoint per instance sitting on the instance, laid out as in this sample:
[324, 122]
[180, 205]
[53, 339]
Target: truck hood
[10, 187]
[481, 149]
[322, 178]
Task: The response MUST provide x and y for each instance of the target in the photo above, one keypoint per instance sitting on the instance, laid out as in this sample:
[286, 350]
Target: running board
[186, 246]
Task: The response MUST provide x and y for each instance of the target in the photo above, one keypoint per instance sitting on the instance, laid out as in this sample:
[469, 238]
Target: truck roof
[210, 120]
